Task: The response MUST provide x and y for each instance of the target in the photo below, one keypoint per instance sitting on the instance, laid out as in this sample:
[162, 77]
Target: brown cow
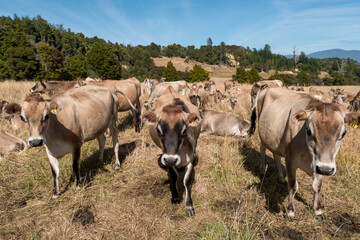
[262, 84]
[52, 88]
[150, 84]
[304, 130]
[223, 124]
[132, 88]
[11, 112]
[179, 86]
[174, 126]
[68, 120]
[229, 84]
[10, 143]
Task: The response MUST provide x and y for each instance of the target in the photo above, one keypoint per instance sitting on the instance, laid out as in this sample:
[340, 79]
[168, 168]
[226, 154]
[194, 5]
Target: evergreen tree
[253, 76]
[170, 73]
[240, 75]
[77, 66]
[198, 74]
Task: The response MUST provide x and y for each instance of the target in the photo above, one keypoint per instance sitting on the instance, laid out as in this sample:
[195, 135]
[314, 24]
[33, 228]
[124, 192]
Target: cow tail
[253, 114]
[131, 105]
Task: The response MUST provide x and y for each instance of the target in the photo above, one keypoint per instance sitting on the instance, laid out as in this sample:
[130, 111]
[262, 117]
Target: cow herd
[306, 128]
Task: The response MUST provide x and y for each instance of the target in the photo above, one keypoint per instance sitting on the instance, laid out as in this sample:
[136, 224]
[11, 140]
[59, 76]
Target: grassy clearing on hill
[231, 200]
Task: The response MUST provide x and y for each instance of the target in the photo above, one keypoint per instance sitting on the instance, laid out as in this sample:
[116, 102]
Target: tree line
[32, 48]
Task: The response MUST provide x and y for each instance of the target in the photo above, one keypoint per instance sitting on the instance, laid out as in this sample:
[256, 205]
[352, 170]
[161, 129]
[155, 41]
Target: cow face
[38, 88]
[172, 127]
[324, 129]
[10, 109]
[36, 113]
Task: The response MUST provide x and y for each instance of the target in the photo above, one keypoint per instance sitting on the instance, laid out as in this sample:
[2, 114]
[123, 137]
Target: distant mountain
[353, 54]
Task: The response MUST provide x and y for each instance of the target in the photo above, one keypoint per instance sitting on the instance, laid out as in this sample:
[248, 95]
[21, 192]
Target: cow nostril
[325, 170]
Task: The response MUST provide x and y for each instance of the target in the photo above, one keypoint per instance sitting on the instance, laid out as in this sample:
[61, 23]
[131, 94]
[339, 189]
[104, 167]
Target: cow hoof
[78, 188]
[190, 211]
[175, 200]
[54, 196]
[291, 214]
[117, 167]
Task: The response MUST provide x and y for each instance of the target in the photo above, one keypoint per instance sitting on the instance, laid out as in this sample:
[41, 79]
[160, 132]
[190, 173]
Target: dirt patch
[84, 215]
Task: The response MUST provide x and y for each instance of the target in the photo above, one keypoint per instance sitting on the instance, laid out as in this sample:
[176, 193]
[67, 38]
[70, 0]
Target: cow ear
[193, 120]
[301, 115]
[353, 119]
[53, 107]
[149, 118]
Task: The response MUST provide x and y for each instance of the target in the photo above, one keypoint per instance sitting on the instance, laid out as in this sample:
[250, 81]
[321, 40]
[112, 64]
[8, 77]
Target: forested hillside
[35, 49]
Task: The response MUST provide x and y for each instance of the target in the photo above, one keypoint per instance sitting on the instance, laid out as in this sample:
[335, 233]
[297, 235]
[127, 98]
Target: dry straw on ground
[231, 200]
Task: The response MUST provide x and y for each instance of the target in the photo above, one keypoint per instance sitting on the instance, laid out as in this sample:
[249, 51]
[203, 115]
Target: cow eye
[46, 117]
[159, 131]
[343, 135]
[22, 118]
[308, 132]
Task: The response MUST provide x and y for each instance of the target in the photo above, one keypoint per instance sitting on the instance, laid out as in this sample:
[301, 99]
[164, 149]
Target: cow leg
[316, 184]
[292, 187]
[188, 180]
[114, 134]
[54, 163]
[173, 176]
[262, 159]
[101, 141]
[76, 164]
[278, 168]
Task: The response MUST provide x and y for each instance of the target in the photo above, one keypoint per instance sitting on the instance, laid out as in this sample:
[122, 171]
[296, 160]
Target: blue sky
[308, 25]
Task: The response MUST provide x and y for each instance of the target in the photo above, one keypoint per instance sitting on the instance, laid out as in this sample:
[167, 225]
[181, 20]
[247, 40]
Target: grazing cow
[10, 143]
[52, 88]
[210, 86]
[179, 86]
[260, 84]
[355, 104]
[68, 120]
[150, 84]
[11, 112]
[229, 84]
[223, 124]
[304, 130]
[132, 88]
[174, 126]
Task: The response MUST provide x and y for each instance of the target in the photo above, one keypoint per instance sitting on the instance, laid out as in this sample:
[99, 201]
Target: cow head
[10, 109]
[173, 126]
[324, 128]
[36, 112]
[39, 87]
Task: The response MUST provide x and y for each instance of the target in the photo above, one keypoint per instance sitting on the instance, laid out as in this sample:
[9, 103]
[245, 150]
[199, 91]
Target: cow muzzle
[170, 160]
[325, 169]
[36, 142]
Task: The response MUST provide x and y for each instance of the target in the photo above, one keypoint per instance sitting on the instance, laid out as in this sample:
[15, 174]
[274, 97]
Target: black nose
[170, 160]
[36, 142]
[325, 170]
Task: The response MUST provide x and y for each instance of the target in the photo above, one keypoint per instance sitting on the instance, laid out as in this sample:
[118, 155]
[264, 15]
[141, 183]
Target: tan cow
[150, 84]
[179, 86]
[228, 85]
[304, 130]
[10, 143]
[174, 126]
[223, 124]
[261, 84]
[68, 120]
[132, 88]
[52, 88]
[11, 112]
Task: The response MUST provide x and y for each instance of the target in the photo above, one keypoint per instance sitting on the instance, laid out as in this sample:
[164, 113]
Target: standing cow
[68, 120]
[174, 126]
[304, 130]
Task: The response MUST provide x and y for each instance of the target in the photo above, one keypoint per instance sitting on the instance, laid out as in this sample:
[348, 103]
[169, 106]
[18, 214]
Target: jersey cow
[150, 84]
[52, 88]
[67, 120]
[304, 130]
[223, 124]
[10, 143]
[11, 112]
[131, 88]
[179, 86]
[261, 84]
[174, 126]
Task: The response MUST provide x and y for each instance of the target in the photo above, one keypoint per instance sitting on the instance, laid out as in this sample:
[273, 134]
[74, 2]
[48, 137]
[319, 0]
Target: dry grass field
[231, 200]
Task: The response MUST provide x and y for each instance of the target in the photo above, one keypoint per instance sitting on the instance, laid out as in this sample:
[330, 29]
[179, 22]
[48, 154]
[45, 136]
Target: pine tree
[170, 73]
[198, 74]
